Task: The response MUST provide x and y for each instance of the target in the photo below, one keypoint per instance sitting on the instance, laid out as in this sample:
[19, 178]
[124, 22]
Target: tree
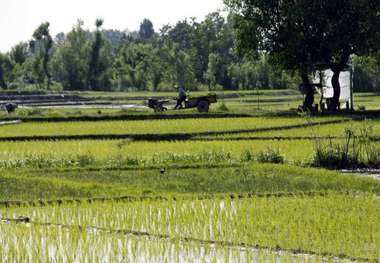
[346, 27]
[19, 53]
[71, 59]
[133, 64]
[181, 71]
[5, 70]
[146, 31]
[41, 45]
[278, 29]
[367, 74]
[306, 35]
[208, 41]
[212, 69]
[99, 64]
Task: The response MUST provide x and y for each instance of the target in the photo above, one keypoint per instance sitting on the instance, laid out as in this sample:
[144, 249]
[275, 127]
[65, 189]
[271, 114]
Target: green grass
[51, 184]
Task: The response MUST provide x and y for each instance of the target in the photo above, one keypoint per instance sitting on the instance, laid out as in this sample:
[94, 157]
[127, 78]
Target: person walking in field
[181, 97]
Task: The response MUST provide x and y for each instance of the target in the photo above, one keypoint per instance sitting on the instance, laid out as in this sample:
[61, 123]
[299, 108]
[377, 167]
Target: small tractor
[201, 103]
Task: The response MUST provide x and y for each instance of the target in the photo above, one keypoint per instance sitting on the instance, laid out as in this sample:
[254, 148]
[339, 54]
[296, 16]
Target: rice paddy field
[235, 185]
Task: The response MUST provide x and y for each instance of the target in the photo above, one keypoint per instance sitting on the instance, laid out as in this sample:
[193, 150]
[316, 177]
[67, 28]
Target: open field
[123, 186]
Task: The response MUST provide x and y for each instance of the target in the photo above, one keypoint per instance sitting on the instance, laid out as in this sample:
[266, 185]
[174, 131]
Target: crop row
[23, 243]
[325, 130]
[150, 127]
[124, 153]
[120, 153]
[27, 185]
[334, 224]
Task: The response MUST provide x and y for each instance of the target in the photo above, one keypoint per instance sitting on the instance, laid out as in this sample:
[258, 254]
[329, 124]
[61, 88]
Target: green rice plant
[85, 160]
[30, 243]
[247, 156]
[150, 127]
[107, 153]
[338, 225]
[188, 179]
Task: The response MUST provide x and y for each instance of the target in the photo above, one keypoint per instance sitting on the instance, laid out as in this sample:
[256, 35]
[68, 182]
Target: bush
[354, 152]
[270, 156]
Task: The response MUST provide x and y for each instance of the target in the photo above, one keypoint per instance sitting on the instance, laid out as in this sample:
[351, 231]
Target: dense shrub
[355, 151]
[270, 156]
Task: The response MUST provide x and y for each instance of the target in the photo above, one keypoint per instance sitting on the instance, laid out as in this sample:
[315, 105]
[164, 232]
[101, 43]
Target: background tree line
[198, 55]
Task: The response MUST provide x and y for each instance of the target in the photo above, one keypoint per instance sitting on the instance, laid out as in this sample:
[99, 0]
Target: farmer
[181, 97]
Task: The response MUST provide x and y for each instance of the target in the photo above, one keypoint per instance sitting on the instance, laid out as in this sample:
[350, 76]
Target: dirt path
[374, 174]
[10, 122]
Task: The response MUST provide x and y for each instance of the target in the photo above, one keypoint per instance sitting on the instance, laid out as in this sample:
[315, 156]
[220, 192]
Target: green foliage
[308, 35]
[70, 61]
[41, 45]
[100, 61]
[366, 75]
[146, 31]
[53, 183]
[212, 69]
[190, 53]
[20, 53]
[270, 156]
[337, 155]
[356, 151]
[5, 71]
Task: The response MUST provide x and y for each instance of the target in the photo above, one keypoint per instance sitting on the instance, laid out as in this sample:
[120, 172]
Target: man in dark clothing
[181, 97]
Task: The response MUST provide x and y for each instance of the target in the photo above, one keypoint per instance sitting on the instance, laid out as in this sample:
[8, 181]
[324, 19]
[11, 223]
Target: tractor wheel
[158, 108]
[203, 106]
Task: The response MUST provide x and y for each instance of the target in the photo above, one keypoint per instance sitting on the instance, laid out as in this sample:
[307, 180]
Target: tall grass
[356, 150]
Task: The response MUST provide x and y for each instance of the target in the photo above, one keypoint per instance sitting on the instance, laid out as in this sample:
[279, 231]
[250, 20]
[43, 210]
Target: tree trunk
[3, 84]
[335, 104]
[309, 93]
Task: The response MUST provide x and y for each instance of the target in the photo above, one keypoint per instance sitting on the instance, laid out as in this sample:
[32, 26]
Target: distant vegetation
[198, 55]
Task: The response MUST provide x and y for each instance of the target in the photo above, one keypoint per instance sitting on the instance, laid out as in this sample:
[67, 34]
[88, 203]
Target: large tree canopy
[304, 35]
